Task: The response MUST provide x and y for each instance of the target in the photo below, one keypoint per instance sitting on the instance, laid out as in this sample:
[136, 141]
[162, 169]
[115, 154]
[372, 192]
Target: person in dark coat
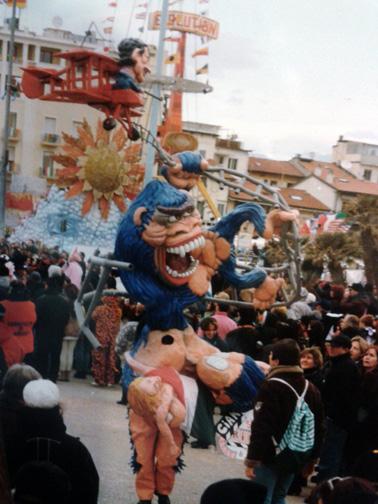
[53, 314]
[11, 405]
[45, 439]
[275, 405]
[341, 392]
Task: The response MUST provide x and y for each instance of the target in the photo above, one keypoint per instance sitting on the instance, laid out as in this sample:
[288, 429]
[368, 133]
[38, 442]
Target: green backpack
[295, 448]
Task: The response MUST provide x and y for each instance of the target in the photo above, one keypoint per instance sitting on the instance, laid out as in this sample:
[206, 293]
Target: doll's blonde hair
[141, 403]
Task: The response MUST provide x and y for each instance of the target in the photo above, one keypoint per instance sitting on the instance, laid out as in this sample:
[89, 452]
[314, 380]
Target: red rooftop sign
[186, 22]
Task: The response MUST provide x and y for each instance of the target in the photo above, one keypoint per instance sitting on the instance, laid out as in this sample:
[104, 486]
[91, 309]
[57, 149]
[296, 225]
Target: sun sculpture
[101, 167]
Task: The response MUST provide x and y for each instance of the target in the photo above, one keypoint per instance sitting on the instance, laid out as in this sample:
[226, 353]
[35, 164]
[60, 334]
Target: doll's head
[144, 395]
[133, 53]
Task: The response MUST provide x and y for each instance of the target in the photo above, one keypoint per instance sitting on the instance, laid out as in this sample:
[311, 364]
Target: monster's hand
[215, 251]
[265, 295]
[186, 172]
[276, 218]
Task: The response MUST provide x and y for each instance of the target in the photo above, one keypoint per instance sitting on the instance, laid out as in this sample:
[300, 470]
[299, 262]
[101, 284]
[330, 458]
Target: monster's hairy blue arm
[227, 228]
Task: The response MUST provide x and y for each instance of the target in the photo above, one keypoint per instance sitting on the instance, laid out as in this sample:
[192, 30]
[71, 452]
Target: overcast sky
[289, 76]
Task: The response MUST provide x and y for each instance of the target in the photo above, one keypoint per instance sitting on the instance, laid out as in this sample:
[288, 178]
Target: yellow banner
[186, 22]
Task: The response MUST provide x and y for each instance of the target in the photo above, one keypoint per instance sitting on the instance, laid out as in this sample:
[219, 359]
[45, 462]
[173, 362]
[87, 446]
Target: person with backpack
[287, 430]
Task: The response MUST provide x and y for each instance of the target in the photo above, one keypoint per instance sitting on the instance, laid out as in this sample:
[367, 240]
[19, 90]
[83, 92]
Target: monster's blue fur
[227, 227]
[191, 162]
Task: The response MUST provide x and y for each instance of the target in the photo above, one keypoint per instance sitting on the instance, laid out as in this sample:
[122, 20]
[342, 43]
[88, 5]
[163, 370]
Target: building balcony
[14, 135]
[51, 139]
[12, 168]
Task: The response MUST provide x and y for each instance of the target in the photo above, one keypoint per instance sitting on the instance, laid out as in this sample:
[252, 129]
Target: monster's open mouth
[177, 263]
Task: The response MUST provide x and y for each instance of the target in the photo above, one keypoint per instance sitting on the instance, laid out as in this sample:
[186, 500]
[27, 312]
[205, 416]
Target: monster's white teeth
[184, 274]
[188, 247]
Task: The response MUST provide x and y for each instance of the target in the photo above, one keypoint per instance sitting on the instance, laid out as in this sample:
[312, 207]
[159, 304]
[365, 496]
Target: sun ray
[119, 139]
[120, 202]
[88, 202]
[73, 151]
[104, 207]
[101, 134]
[75, 189]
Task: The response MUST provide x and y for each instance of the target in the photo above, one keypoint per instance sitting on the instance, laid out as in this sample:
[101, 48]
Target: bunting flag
[20, 4]
[336, 223]
[204, 13]
[203, 70]
[112, 4]
[173, 59]
[144, 5]
[203, 51]
[203, 1]
[108, 29]
[140, 15]
[110, 19]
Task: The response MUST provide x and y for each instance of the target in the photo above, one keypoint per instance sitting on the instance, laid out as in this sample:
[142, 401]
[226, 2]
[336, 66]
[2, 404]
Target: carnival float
[166, 257]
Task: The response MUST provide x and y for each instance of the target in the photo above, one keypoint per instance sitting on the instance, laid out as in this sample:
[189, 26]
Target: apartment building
[359, 158]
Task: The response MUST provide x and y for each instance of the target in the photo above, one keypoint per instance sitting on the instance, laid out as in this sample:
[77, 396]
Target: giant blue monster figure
[173, 258]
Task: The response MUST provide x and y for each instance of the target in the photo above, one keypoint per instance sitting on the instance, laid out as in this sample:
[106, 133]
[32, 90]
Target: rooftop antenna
[88, 33]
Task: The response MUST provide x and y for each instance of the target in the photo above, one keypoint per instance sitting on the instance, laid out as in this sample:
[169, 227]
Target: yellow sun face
[100, 167]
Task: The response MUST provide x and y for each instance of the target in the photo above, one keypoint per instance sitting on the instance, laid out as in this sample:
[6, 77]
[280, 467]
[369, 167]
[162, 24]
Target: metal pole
[156, 90]
[4, 151]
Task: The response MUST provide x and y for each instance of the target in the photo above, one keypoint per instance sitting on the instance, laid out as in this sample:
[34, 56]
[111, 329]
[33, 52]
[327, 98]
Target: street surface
[92, 414]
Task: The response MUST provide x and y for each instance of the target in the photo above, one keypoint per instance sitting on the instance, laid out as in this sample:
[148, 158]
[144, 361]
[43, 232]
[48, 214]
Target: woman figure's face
[151, 385]
[210, 332]
[355, 351]
[307, 361]
[370, 359]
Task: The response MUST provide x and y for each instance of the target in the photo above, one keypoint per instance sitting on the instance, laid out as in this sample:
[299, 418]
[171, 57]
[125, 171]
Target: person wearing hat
[340, 393]
[44, 439]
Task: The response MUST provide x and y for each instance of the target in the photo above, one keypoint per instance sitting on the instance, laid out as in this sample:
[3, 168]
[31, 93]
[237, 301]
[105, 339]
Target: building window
[1, 49]
[31, 54]
[47, 164]
[12, 120]
[219, 159]
[367, 174]
[221, 208]
[17, 54]
[50, 125]
[11, 165]
[203, 153]
[232, 163]
[47, 55]
[75, 126]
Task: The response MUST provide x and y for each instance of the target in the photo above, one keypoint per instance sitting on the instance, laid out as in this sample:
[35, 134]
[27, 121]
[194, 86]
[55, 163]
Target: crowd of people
[327, 339]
